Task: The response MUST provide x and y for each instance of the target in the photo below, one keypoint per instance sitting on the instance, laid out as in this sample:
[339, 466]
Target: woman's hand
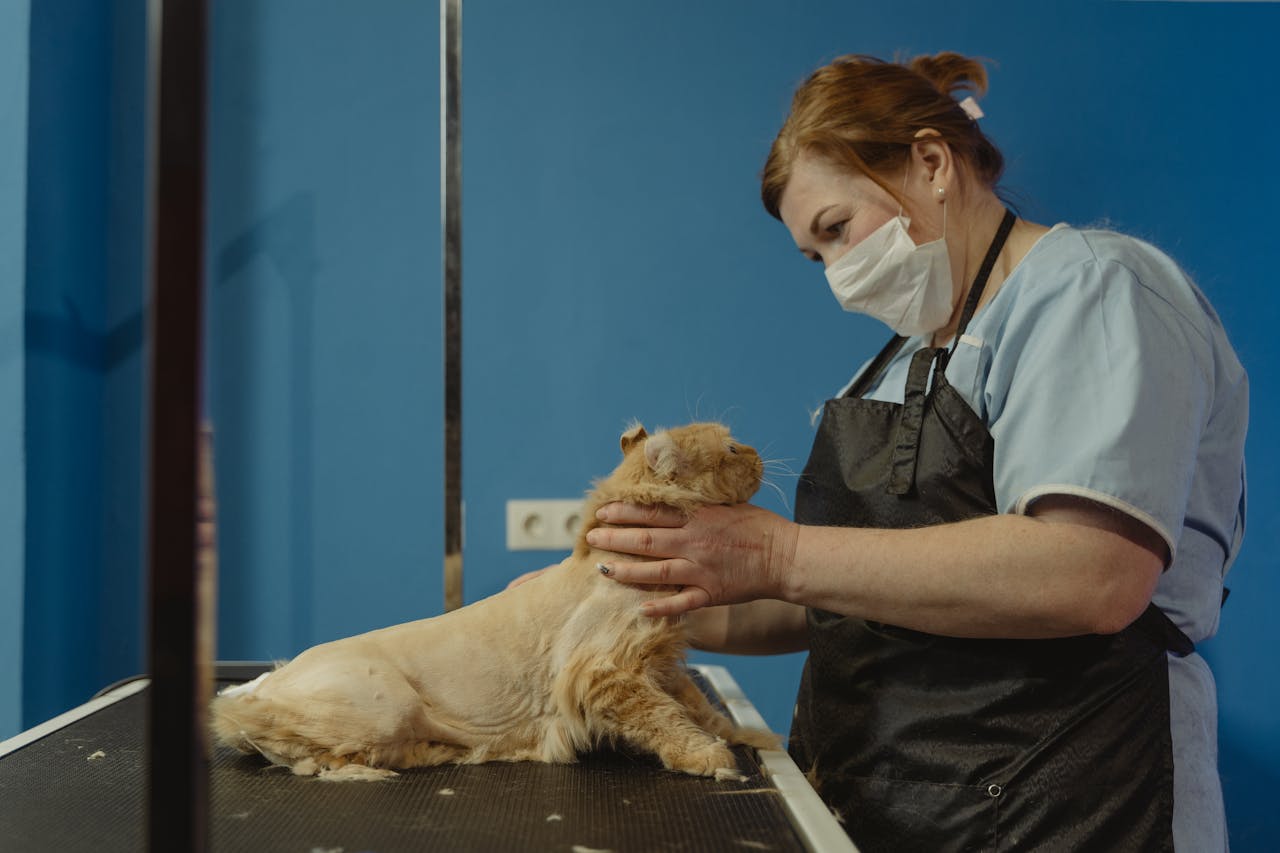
[722, 555]
[528, 576]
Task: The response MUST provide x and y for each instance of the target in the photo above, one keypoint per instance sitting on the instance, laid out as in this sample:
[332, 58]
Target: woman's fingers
[655, 573]
[661, 573]
[679, 573]
[528, 576]
[643, 541]
[644, 529]
[689, 598]
[645, 515]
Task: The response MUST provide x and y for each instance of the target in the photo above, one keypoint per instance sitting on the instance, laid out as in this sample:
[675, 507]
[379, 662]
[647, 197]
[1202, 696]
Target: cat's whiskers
[780, 466]
[781, 494]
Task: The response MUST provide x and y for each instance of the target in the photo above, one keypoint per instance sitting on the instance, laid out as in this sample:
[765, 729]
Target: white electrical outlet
[546, 525]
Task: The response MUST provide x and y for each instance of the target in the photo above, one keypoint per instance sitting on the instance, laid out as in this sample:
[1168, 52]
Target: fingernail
[592, 537]
[604, 570]
[601, 514]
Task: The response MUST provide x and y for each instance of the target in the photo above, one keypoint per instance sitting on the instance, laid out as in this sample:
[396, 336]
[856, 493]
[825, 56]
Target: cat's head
[701, 457]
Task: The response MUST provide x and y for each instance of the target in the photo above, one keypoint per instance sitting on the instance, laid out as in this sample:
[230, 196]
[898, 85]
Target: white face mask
[889, 277]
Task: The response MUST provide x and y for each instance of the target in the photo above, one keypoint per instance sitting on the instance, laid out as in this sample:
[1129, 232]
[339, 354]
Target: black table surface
[83, 788]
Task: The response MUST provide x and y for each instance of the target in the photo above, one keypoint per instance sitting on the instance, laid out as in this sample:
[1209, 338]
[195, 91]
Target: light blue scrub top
[1102, 371]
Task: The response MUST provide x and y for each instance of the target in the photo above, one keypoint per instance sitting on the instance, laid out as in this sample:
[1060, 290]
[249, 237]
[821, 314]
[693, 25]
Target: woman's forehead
[816, 187]
[815, 183]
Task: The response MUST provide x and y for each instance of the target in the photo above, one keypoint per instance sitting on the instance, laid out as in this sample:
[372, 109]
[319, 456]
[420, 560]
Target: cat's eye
[733, 449]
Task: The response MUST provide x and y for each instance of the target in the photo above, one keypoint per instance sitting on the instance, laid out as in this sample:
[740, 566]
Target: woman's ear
[933, 159]
[634, 433]
[662, 455]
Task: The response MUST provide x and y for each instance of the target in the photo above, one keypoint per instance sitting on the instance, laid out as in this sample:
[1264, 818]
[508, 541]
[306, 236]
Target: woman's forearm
[1007, 576]
[1072, 567]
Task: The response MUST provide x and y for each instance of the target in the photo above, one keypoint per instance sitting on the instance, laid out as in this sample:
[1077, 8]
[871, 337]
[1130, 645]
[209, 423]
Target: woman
[1014, 522]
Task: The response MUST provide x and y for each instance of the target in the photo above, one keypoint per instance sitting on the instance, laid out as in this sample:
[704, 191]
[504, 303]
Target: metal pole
[180, 624]
[451, 220]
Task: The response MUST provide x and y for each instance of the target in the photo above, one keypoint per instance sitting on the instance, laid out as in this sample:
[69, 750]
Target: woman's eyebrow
[813, 226]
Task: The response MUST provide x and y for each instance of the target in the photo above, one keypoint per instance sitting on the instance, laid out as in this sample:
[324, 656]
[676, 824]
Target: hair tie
[971, 108]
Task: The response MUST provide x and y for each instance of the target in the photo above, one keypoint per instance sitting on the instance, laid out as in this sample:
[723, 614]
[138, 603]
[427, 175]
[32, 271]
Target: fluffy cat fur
[539, 672]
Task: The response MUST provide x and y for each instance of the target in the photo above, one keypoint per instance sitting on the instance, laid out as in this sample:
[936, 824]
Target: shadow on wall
[285, 237]
[65, 335]
[1249, 786]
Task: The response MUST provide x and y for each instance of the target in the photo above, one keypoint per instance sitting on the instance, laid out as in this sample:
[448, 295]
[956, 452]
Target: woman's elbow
[1126, 592]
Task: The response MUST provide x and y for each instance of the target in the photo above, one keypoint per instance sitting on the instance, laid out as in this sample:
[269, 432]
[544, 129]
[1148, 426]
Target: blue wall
[66, 290]
[83, 377]
[14, 40]
[121, 615]
[618, 265]
[324, 319]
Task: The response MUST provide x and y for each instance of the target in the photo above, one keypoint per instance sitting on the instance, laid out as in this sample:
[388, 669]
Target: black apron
[931, 743]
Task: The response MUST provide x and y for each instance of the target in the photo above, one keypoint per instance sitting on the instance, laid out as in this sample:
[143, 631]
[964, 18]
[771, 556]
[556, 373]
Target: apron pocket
[900, 815]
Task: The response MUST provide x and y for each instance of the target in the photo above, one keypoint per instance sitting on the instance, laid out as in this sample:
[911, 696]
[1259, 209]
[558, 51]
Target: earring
[942, 194]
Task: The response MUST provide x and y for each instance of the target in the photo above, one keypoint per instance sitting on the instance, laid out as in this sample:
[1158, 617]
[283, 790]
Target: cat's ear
[634, 434]
[662, 455]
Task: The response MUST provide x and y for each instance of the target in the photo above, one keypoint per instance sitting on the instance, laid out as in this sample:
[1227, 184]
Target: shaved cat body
[540, 672]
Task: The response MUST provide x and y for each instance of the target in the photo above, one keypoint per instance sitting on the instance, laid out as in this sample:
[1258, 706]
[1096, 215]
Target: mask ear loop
[944, 204]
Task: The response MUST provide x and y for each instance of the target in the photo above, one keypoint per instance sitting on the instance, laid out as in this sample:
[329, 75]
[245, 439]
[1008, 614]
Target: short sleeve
[1099, 388]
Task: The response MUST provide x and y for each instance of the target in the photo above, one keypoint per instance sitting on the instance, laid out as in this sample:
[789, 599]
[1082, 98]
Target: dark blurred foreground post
[451, 222]
[181, 581]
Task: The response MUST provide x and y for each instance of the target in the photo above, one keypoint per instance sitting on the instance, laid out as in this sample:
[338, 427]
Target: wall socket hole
[534, 525]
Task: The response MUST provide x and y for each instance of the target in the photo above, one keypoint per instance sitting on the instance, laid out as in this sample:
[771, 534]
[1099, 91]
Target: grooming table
[78, 783]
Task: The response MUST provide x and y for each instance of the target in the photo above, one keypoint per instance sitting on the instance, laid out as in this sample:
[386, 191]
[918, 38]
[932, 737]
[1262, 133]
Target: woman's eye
[835, 229]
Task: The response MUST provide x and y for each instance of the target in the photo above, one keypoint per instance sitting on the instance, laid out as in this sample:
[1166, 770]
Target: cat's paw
[723, 774]
[713, 759]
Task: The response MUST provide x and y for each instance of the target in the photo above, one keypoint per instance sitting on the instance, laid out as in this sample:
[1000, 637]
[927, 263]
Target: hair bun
[951, 72]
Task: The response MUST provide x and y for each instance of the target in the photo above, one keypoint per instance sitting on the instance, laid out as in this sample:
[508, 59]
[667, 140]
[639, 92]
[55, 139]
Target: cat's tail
[239, 719]
[243, 720]
[758, 738]
[271, 728]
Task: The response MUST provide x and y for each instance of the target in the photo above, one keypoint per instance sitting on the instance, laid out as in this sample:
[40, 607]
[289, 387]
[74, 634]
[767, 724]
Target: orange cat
[538, 672]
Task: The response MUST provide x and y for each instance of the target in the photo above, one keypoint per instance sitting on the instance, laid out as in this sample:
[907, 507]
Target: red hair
[863, 114]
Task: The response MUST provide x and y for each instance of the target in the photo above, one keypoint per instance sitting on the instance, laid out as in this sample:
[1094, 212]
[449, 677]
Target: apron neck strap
[876, 367]
[984, 273]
